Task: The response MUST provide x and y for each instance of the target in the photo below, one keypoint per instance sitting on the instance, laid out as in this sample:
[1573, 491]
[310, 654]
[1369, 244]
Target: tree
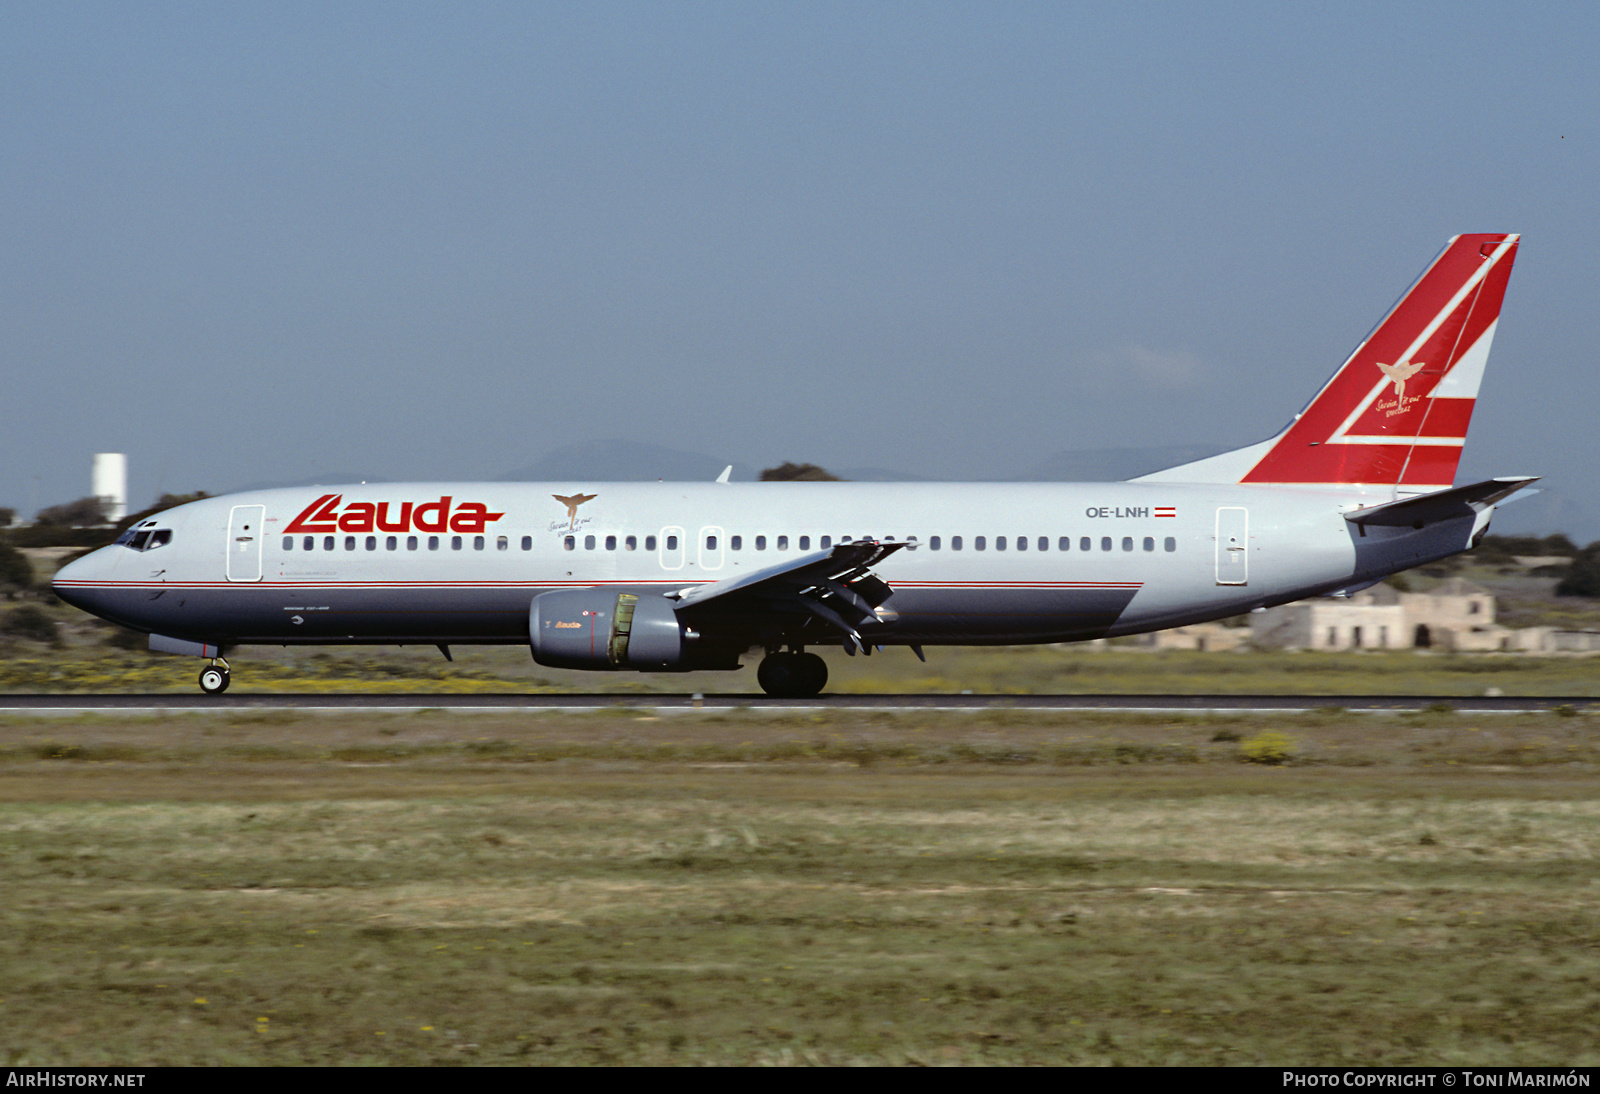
[798, 472]
[1504, 550]
[163, 503]
[81, 523]
[1583, 577]
[83, 513]
[16, 572]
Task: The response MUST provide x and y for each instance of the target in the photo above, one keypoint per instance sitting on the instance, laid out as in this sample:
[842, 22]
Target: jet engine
[607, 629]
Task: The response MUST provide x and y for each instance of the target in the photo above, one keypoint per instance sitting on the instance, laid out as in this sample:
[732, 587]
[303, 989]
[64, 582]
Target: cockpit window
[142, 537]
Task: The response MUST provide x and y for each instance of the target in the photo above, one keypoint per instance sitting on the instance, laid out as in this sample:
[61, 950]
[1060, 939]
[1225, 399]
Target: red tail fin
[1397, 412]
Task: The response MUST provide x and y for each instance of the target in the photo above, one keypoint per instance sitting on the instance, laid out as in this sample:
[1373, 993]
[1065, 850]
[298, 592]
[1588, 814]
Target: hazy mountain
[1115, 464]
[326, 478]
[625, 461]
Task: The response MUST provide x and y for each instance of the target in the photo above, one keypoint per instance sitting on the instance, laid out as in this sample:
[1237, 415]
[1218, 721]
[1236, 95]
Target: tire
[780, 675]
[815, 672]
[792, 675]
[214, 681]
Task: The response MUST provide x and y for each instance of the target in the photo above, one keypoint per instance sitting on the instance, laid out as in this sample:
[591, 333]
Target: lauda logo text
[324, 515]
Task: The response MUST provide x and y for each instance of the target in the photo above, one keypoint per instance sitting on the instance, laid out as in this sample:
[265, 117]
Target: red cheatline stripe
[285, 585]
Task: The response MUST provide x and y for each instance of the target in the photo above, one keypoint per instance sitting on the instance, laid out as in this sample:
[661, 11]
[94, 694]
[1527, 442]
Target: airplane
[673, 577]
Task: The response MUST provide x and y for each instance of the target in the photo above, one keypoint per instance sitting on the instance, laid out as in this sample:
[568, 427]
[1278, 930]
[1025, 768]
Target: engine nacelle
[607, 630]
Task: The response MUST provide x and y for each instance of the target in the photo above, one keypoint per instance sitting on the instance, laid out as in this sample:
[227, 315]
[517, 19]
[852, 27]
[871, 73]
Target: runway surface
[1194, 704]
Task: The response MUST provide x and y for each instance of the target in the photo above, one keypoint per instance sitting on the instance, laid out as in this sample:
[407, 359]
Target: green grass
[1017, 670]
[840, 888]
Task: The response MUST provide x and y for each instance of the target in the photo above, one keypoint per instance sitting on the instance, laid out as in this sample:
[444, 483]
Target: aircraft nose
[77, 580]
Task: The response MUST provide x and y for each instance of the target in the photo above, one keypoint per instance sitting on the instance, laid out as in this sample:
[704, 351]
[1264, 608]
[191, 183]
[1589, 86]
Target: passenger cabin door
[1233, 546]
[244, 542]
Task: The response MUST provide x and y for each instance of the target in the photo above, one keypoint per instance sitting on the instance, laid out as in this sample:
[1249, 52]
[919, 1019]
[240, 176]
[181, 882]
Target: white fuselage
[986, 563]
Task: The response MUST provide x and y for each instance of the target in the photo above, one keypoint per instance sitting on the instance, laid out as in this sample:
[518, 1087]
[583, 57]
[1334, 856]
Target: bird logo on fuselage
[572, 504]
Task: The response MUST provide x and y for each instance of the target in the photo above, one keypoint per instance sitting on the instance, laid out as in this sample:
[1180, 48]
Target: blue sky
[254, 243]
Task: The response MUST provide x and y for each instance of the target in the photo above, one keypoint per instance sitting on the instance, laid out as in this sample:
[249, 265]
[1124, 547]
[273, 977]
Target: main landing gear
[792, 675]
[215, 677]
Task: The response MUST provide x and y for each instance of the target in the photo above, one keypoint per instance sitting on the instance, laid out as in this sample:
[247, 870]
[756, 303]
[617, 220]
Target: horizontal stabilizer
[1459, 501]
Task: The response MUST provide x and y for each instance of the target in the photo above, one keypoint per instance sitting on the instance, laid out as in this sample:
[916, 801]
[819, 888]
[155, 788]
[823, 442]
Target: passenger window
[1170, 544]
[1085, 543]
[979, 542]
[761, 543]
[1064, 543]
[372, 543]
[611, 543]
[1127, 543]
[955, 543]
[411, 543]
[805, 543]
[570, 542]
[631, 543]
[1022, 543]
[711, 543]
[391, 542]
[527, 543]
[1044, 543]
[349, 543]
[1105, 543]
[327, 544]
[455, 543]
[1149, 543]
[672, 543]
[288, 543]
[933, 543]
[736, 542]
[309, 543]
[783, 543]
[433, 543]
[827, 541]
[477, 542]
[650, 542]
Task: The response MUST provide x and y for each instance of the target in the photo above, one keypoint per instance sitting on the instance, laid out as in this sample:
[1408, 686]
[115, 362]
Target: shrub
[1583, 577]
[16, 572]
[1270, 747]
[30, 621]
[124, 639]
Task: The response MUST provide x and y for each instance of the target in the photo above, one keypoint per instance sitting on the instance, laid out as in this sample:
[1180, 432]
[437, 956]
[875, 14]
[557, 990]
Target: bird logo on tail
[1400, 374]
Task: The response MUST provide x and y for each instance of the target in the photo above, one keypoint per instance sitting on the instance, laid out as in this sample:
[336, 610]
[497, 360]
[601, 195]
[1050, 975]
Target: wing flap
[836, 586]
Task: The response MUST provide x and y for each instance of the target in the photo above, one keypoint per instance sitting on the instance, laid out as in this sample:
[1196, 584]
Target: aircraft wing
[836, 586]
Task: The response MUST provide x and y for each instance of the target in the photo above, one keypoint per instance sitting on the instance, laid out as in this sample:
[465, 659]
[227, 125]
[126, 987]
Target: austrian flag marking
[325, 515]
[1166, 510]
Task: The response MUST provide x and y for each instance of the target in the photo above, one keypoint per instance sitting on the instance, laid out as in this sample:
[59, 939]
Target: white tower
[110, 484]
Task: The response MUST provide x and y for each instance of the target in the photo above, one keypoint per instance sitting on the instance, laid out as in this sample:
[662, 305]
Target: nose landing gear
[792, 675]
[215, 677]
